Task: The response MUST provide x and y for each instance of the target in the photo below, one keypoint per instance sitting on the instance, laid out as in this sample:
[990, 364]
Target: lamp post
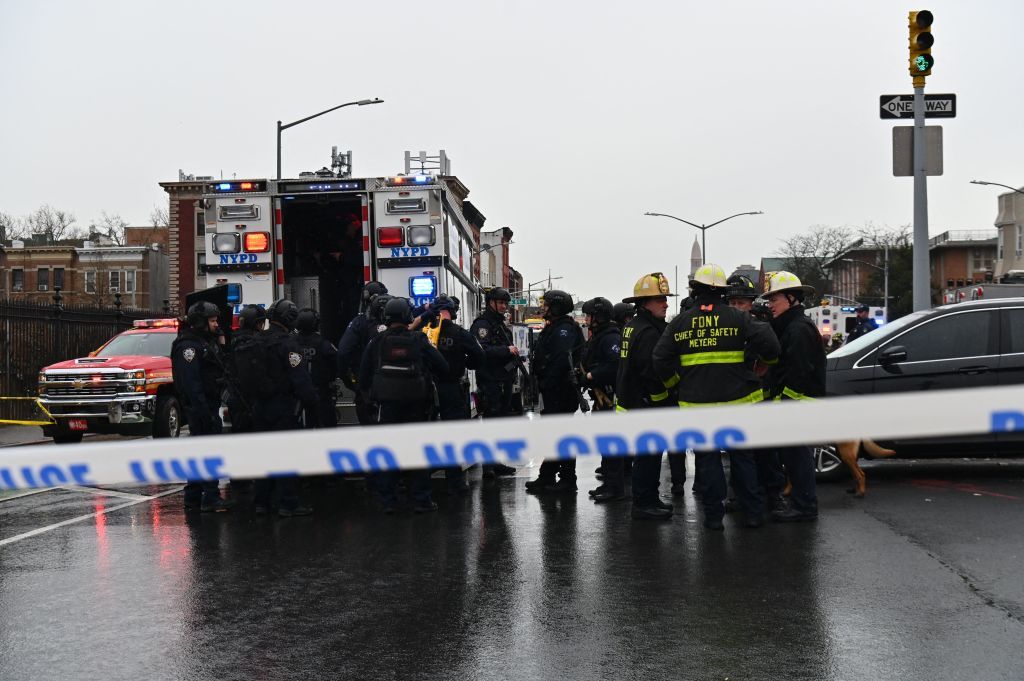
[280, 128]
[997, 184]
[704, 228]
[885, 275]
[529, 287]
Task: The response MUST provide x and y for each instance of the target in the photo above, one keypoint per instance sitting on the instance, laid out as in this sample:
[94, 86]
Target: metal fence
[34, 335]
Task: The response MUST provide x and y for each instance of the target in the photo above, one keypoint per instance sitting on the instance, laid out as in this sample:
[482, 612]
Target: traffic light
[921, 41]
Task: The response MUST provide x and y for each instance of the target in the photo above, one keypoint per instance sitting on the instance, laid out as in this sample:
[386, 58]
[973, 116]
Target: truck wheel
[67, 437]
[167, 420]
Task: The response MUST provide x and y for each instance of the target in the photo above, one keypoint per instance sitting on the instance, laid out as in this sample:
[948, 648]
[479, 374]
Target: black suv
[964, 345]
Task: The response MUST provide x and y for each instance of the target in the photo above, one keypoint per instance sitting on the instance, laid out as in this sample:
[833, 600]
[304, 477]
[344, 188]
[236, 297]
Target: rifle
[228, 379]
[575, 382]
[529, 384]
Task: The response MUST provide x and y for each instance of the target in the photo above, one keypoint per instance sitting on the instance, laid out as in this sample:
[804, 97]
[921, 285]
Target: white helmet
[778, 282]
[710, 275]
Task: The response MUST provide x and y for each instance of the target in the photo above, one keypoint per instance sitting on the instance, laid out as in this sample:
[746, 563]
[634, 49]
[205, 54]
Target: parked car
[965, 345]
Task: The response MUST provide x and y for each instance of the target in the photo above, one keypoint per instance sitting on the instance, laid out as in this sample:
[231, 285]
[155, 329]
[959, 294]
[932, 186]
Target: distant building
[749, 271]
[696, 257]
[494, 256]
[186, 239]
[963, 257]
[1010, 239]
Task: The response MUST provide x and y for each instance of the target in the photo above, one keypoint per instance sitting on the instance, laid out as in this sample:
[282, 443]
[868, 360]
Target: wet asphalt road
[921, 580]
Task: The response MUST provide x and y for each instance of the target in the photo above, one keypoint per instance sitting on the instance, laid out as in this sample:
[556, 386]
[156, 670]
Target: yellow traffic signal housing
[921, 41]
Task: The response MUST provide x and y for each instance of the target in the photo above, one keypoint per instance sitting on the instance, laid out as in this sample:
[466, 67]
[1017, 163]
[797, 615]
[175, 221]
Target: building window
[1020, 240]
[200, 223]
[999, 245]
[115, 281]
[200, 264]
[129, 281]
[43, 280]
[90, 281]
[58, 277]
[17, 280]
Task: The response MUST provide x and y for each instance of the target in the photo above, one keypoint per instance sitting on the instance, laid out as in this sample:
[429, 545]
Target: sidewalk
[19, 435]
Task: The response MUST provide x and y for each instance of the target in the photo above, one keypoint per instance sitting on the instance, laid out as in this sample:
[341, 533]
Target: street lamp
[704, 228]
[996, 184]
[885, 274]
[361, 102]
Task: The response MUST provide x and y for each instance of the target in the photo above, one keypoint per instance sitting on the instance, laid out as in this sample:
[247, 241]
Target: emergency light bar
[409, 179]
[154, 323]
[234, 294]
[247, 186]
[423, 286]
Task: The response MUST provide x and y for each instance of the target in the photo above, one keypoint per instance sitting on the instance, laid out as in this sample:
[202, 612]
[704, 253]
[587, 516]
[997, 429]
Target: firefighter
[198, 375]
[600, 362]
[353, 343]
[495, 377]
[322, 359]
[398, 371]
[864, 324]
[461, 351]
[637, 387]
[285, 389]
[557, 354]
[703, 353]
[799, 375]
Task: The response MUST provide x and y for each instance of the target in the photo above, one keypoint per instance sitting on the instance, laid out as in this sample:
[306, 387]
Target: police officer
[353, 343]
[799, 375]
[461, 351]
[240, 406]
[198, 373]
[600, 363]
[622, 314]
[287, 389]
[864, 324]
[638, 387]
[398, 371]
[322, 359]
[556, 356]
[496, 376]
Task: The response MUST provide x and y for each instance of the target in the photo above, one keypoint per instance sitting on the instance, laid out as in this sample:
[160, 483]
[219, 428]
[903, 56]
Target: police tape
[515, 441]
[24, 411]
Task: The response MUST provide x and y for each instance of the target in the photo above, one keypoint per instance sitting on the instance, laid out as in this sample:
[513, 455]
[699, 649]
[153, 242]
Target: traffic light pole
[922, 270]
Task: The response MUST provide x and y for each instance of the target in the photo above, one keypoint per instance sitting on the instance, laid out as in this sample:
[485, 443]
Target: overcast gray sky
[566, 120]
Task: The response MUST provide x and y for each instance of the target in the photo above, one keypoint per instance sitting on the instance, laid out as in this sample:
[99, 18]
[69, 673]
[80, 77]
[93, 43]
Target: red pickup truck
[124, 387]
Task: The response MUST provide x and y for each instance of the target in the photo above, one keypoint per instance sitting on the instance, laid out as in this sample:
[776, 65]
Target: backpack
[400, 375]
[254, 367]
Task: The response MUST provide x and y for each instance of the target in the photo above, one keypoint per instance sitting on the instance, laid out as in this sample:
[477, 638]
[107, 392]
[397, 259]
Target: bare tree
[111, 226]
[11, 227]
[807, 255]
[53, 223]
[160, 217]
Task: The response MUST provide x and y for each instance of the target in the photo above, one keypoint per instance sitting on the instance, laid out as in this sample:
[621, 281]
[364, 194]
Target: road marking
[103, 492]
[71, 521]
[19, 495]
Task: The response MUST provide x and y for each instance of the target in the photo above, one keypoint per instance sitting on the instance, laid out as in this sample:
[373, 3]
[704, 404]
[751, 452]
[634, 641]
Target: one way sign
[902, 106]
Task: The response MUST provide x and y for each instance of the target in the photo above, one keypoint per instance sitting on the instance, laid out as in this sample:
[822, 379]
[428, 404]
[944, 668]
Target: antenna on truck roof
[422, 164]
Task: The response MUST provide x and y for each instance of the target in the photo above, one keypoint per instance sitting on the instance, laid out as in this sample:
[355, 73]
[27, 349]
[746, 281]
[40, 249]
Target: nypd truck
[317, 240]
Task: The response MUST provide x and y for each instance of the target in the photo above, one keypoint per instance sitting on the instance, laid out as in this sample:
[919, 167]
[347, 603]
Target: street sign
[519, 301]
[903, 150]
[902, 106]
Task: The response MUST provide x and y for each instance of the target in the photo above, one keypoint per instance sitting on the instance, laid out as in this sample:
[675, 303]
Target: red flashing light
[256, 242]
[154, 323]
[390, 236]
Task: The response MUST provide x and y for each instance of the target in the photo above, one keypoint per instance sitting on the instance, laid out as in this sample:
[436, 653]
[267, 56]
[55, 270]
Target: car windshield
[873, 337]
[152, 344]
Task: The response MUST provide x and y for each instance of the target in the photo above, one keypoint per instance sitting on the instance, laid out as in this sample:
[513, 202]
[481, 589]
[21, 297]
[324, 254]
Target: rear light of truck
[421, 235]
[390, 236]
[226, 243]
[256, 242]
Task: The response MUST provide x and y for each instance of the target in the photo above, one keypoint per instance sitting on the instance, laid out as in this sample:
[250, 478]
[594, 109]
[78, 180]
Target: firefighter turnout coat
[703, 354]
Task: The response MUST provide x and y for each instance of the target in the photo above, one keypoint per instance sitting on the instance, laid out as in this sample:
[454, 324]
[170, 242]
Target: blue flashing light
[224, 186]
[424, 286]
[234, 293]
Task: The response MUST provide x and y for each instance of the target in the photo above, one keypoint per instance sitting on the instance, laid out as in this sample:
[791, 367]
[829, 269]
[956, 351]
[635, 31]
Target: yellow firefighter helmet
[710, 274]
[785, 281]
[653, 285]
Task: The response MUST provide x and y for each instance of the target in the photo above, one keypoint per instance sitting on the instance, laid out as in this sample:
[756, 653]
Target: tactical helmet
[740, 286]
[653, 285]
[199, 314]
[371, 289]
[782, 281]
[599, 308]
[558, 303]
[398, 311]
[710, 275]
[622, 313]
[308, 320]
[251, 317]
[497, 293]
[377, 305]
[443, 302]
[284, 312]
[862, 308]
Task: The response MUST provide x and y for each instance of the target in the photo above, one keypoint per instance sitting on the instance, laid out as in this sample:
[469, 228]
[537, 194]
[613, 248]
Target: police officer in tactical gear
[557, 354]
[398, 370]
[322, 359]
[286, 389]
[198, 373]
[622, 314]
[864, 324]
[496, 376]
[799, 375]
[352, 345]
[703, 353]
[461, 351]
[600, 363]
[240, 407]
[637, 386]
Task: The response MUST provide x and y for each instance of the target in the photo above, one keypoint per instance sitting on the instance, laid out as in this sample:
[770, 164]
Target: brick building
[186, 239]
